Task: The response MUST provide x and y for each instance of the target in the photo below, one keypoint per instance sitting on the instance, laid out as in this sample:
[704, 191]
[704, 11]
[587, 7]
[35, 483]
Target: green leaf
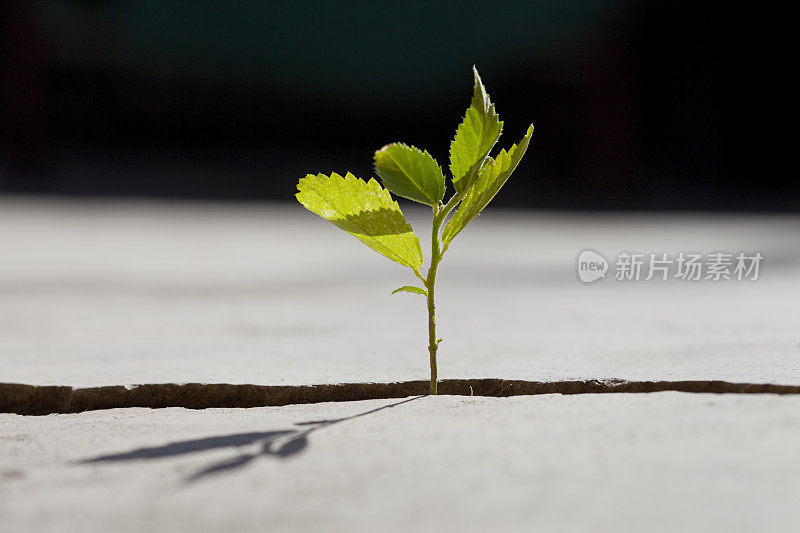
[366, 211]
[475, 137]
[411, 288]
[410, 172]
[492, 177]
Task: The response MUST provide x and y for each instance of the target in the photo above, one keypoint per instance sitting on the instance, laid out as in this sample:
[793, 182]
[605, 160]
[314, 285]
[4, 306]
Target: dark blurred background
[637, 105]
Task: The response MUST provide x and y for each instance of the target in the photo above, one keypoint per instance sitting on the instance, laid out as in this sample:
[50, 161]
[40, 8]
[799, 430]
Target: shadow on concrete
[280, 443]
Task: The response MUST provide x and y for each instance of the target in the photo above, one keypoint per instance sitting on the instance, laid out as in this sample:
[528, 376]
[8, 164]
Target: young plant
[366, 210]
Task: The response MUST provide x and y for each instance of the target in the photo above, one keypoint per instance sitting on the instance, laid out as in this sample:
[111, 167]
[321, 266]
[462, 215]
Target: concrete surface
[649, 462]
[121, 293]
[99, 293]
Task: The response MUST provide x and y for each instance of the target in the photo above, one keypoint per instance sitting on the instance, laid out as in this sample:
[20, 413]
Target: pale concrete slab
[99, 293]
[648, 462]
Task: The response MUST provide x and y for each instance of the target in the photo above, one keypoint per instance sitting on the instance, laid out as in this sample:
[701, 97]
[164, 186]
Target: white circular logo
[591, 266]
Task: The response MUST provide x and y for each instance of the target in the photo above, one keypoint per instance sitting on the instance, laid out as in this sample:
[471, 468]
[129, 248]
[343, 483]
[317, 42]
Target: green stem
[430, 283]
[439, 214]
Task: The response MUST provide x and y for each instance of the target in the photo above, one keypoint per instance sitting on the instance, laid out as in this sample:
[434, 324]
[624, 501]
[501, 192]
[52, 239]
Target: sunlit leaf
[492, 177]
[475, 137]
[412, 289]
[410, 172]
[366, 211]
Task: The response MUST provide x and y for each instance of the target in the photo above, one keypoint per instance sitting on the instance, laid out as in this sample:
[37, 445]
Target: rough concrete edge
[42, 400]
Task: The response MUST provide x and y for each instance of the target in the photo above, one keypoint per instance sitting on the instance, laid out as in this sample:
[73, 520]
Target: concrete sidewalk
[126, 293]
[96, 294]
[649, 462]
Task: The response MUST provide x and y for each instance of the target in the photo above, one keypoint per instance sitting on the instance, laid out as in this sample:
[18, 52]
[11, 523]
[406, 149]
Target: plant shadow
[374, 222]
[281, 444]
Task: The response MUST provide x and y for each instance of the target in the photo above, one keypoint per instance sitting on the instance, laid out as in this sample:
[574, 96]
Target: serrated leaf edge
[488, 110]
[411, 289]
[410, 176]
[373, 184]
[448, 234]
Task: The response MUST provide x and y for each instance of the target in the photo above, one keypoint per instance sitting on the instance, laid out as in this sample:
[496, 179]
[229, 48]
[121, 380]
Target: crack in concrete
[42, 400]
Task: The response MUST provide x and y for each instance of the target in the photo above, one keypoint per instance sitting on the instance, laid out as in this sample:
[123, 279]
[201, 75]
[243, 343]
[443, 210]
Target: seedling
[366, 210]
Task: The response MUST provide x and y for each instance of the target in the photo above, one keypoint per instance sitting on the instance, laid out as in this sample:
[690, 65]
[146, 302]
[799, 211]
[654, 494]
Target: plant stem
[439, 214]
[433, 344]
